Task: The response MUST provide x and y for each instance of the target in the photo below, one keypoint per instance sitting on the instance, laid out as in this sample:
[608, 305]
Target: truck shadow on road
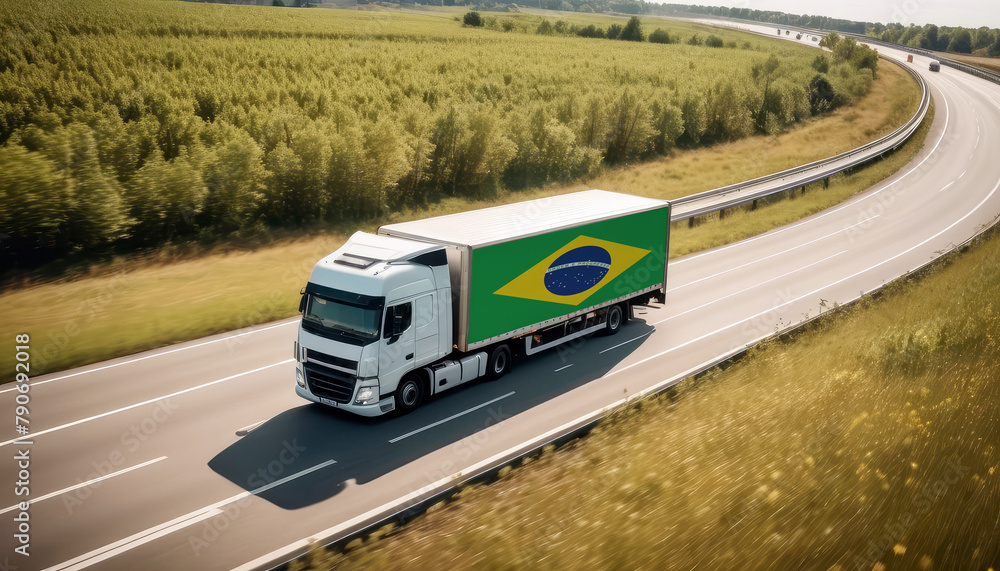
[267, 460]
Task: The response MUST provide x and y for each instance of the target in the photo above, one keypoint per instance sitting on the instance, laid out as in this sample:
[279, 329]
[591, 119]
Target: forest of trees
[149, 124]
[982, 41]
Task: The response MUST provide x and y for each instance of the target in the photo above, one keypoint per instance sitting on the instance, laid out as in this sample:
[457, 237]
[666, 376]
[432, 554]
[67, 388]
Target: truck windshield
[340, 320]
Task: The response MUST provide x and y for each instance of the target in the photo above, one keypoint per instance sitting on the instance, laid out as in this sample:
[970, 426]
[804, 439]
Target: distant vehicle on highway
[935, 65]
[424, 306]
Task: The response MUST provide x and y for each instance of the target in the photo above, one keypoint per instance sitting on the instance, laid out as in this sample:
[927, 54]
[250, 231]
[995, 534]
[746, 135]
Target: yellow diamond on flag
[574, 272]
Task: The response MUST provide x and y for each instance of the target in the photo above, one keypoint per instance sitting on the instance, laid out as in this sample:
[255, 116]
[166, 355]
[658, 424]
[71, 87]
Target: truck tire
[613, 320]
[409, 393]
[499, 362]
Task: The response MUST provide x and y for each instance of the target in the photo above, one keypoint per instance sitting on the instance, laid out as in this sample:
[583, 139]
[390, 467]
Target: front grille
[330, 360]
[331, 384]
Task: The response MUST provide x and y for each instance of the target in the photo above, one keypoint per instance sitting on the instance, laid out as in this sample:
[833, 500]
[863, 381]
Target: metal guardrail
[961, 66]
[744, 192]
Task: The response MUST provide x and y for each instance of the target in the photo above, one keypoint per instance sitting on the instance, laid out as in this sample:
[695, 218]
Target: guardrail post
[826, 182]
[722, 213]
[753, 205]
[691, 222]
[803, 189]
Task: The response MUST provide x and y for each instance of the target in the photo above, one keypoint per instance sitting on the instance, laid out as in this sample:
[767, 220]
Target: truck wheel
[409, 393]
[499, 362]
[613, 320]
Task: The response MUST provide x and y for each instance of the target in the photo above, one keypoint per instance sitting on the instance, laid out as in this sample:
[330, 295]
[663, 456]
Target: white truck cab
[372, 311]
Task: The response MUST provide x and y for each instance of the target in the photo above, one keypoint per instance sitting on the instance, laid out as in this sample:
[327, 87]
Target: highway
[200, 456]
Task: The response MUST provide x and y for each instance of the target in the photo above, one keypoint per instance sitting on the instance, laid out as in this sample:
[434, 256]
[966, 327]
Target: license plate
[327, 401]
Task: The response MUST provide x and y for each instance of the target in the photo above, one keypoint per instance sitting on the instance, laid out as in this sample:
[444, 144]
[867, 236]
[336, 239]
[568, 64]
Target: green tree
[695, 118]
[235, 178]
[714, 41]
[592, 122]
[668, 125]
[844, 50]
[633, 31]
[32, 204]
[629, 128]
[994, 50]
[865, 58]
[830, 41]
[982, 38]
[165, 198]
[614, 30]
[929, 40]
[961, 42]
[95, 212]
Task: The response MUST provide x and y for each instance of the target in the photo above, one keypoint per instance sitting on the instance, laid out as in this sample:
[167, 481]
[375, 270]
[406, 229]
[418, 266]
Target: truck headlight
[299, 379]
[368, 393]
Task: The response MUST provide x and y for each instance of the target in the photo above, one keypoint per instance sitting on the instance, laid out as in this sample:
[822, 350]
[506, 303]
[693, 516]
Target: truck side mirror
[302, 302]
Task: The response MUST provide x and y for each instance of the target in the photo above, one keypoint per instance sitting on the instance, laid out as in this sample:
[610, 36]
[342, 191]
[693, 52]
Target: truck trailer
[421, 307]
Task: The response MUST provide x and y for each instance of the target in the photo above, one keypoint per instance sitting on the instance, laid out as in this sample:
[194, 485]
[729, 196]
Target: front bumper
[378, 409]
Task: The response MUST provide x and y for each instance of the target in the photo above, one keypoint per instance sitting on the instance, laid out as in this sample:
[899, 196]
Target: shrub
[473, 19]
[659, 36]
[821, 63]
[590, 31]
[821, 94]
[714, 42]
[614, 30]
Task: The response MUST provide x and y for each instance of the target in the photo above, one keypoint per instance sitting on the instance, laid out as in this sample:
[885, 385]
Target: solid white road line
[646, 334]
[758, 260]
[452, 417]
[158, 531]
[564, 367]
[145, 402]
[228, 337]
[835, 209]
[85, 484]
[704, 305]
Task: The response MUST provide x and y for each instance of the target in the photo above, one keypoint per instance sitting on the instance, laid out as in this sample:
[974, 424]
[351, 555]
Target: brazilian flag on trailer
[528, 281]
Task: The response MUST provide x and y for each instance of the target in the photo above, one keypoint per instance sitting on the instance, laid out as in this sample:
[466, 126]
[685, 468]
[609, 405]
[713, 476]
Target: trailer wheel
[409, 393]
[499, 362]
[613, 320]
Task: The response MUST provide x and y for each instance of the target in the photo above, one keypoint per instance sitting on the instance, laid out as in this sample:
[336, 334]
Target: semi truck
[421, 307]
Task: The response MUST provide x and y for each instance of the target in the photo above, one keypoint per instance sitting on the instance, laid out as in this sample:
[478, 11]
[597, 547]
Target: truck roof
[498, 224]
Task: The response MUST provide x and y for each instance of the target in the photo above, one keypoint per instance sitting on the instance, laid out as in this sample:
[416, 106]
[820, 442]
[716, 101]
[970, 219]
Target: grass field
[119, 309]
[870, 442]
[990, 63]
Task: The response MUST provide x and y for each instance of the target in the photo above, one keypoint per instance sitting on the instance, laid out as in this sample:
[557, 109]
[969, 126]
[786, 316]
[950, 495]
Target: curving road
[201, 456]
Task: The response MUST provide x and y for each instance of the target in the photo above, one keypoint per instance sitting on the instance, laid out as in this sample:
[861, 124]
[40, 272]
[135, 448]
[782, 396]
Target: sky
[967, 13]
